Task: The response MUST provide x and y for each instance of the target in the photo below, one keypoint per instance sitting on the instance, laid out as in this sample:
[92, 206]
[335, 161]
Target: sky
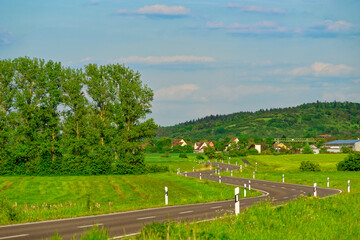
[200, 57]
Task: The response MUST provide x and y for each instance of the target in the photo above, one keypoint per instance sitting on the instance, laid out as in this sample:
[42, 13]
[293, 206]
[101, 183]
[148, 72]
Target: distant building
[180, 142]
[199, 147]
[335, 146]
[256, 147]
[278, 146]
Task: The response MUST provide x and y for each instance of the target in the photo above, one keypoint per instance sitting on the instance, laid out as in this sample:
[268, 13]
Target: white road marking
[293, 189]
[86, 226]
[186, 212]
[285, 197]
[216, 207]
[127, 235]
[146, 218]
[272, 185]
[283, 187]
[15, 236]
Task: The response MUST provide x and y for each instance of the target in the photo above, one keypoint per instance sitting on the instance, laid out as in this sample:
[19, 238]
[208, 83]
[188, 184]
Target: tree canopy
[58, 120]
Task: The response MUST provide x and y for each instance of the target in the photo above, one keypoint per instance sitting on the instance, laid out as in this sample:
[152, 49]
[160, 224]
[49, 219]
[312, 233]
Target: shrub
[165, 155]
[351, 163]
[346, 149]
[183, 155]
[200, 156]
[307, 150]
[309, 166]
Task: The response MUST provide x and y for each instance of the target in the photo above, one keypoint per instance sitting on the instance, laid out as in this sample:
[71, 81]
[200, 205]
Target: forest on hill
[338, 119]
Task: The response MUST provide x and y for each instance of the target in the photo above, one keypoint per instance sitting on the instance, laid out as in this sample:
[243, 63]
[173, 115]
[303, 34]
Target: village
[278, 145]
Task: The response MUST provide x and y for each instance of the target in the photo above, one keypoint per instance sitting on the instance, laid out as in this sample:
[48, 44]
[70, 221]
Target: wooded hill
[338, 119]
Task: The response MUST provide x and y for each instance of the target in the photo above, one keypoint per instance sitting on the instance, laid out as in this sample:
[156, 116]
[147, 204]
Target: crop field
[25, 199]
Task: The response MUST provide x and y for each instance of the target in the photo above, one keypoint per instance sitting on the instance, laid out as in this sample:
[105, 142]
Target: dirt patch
[7, 186]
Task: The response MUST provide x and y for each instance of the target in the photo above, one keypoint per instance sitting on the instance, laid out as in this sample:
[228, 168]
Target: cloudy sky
[200, 57]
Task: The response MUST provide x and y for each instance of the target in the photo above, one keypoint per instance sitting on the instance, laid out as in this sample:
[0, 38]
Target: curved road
[120, 224]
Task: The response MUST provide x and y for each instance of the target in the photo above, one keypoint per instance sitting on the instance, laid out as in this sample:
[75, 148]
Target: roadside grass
[27, 199]
[335, 217]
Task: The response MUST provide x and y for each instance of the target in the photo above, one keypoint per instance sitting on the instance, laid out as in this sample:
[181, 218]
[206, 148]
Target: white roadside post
[231, 172]
[219, 179]
[249, 185]
[210, 167]
[244, 189]
[215, 171]
[237, 202]
[185, 173]
[283, 177]
[227, 169]
[166, 196]
[245, 164]
[253, 175]
[193, 169]
[256, 167]
[240, 168]
[228, 162]
[200, 176]
[328, 182]
[315, 191]
[348, 186]
[222, 161]
[236, 163]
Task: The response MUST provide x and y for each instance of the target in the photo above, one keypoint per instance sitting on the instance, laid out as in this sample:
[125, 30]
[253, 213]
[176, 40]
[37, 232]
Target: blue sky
[200, 57]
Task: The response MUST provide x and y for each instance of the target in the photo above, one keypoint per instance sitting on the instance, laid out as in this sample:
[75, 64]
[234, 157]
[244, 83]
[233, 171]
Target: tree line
[60, 120]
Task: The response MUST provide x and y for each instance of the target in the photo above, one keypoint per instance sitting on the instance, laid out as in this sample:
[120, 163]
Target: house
[335, 146]
[277, 146]
[180, 142]
[199, 147]
[210, 144]
[256, 147]
[235, 140]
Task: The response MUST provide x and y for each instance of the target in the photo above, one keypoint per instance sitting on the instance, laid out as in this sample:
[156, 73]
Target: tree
[7, 92]
[307, 150]
[351, 163]
[210, 152]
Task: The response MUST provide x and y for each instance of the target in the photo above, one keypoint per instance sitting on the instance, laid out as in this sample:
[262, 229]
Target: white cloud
[176, 93]
[157, 10]
[165, 59]
[323, 69]
[331, 26]
[256, 9]
[87, 59]
[252, 28]
[5, 37]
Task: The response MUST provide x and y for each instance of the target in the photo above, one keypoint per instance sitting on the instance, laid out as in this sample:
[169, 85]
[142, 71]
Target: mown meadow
[29, 198]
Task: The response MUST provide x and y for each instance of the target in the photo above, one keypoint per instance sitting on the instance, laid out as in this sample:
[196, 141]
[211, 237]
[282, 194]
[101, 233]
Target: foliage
[95, 233]
[309, 166]
[63, 121]
[339, 119]
[200, 156]
[210, 152]
[183, 155]
[345, 149]
[307, 150]
[351, 163]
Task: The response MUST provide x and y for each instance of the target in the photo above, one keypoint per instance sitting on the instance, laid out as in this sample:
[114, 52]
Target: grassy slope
[336, 217]
[40, 198]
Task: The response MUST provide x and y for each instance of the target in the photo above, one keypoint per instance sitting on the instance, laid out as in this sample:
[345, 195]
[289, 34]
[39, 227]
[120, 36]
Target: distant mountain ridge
[339, 119]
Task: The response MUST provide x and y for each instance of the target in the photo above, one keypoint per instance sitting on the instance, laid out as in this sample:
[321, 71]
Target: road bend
[128, 223]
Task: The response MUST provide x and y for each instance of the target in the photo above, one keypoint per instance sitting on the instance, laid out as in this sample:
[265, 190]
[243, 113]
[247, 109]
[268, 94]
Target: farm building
[335, 146]
[180, 142]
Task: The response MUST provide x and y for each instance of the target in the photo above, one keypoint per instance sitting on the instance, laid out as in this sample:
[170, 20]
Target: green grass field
[336, 217]
[25, 199]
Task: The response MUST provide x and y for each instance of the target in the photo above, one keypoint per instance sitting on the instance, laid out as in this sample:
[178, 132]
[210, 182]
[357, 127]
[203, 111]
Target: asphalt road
[127, 223]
